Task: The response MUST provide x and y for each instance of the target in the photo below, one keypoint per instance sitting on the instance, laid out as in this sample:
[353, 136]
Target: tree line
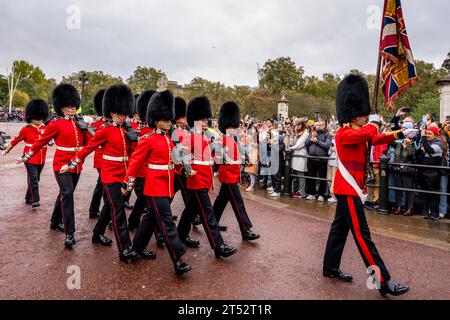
[281, 76]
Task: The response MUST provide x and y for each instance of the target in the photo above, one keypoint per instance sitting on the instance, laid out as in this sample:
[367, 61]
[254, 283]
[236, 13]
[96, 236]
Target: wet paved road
[284, 264]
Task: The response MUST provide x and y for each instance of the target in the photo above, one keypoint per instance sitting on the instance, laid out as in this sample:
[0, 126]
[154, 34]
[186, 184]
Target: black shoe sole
[56, 229]
[105, 244]
[330, 275]
[127, 260]
[226, 255]
[69, 245]
[147, 257]
[193, 246]
[385, 293]
[252, 239]
[183, 271]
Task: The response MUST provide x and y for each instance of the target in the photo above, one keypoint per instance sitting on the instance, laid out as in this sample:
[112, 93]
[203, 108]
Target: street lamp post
[317, 114]
[83, 80]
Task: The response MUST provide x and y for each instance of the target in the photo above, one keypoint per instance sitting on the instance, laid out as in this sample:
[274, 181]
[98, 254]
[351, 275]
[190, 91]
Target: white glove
[374, 118]
[410, 133]
[4, 153]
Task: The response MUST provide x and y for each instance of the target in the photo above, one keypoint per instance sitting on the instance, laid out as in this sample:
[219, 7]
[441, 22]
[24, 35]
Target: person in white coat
[299, 162]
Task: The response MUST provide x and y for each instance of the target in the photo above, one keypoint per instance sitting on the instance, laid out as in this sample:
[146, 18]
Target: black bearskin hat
[160, 107]
[36, 110]
[118, 99]
[135, 108]
[142, 104]
[352, 99]
[198, 108]
[65, 95]
[180, 108]
[229, 116]
[98, 102]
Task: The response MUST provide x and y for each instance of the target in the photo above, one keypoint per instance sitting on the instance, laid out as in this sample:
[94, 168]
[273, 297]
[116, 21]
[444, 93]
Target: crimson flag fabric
[398, 67]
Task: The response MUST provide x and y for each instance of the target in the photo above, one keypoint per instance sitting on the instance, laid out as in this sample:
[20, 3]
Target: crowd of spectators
[313, 151]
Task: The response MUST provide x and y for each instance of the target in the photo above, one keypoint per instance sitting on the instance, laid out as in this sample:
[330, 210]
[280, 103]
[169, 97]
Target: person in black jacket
[430, 153]
[318, 144]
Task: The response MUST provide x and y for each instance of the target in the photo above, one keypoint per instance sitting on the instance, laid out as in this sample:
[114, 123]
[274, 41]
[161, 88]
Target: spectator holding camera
[299, 161]
[431, 154]
[318, 144]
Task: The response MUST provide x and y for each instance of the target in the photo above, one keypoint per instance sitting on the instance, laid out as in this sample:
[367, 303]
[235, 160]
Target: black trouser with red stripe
[180, 185]
[96, 196]
[140, 204]
[229, 192]
[114, 210]
[33, 177]
[159, 214]
[350, 216]
[64, 205]
[199, 202]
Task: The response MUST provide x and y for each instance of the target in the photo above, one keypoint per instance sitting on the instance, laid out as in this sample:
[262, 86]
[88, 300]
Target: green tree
[3, 90]
[97, 80]
[281, 74]
[217, 92]
[144, 78]
[20, 99]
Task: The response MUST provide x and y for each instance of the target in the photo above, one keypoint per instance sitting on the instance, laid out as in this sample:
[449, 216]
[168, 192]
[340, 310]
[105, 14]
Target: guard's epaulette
[147, 135]
[106, 124]
[56, 117]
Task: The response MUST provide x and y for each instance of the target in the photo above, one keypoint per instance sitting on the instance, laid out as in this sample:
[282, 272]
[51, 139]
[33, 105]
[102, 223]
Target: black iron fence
[384, 178]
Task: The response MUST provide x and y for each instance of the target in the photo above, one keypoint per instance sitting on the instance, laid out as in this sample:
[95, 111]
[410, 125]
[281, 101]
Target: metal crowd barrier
[384, 178]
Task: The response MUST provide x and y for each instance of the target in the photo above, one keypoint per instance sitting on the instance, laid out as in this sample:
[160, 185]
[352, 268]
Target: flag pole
[378, 74]
[377, 84]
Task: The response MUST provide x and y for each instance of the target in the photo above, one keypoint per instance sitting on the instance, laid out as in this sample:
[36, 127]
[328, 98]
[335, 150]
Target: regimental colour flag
[398, 67]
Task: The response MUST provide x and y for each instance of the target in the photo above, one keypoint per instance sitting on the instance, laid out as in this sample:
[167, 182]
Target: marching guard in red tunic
[141, 201]
[179, 134]
[70, 134]
[200, 180]
[230, 161]
[96, 126]
[36, 114]
[155, 150]
[117, 140]
[352, 139]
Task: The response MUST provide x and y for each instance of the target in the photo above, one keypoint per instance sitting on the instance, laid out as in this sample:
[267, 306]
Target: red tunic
[67, 135]
[230, 172]
[352, 150]
[30, 134]
[134, 125]
[114, 143]
[142, 131]
[98, 155]
[199, 147]
[155, 149]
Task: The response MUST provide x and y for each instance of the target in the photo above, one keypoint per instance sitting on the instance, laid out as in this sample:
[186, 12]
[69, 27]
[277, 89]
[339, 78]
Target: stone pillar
[283, 108]
[444, 90]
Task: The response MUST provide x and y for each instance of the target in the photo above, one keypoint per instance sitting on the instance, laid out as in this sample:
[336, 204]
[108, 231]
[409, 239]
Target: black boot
[127, 255]
[190, 243]
[223, 228]
[101, 239]
[338, 274]
[393, 288]
[70, 240]
[225, 251]
[249, 235]
[57, 227]
[35, 205]
[182, 267]
[146, 254]
[197, 221]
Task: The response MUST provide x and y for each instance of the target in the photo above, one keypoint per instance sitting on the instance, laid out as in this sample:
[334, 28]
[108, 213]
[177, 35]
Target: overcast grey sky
[218, 40]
